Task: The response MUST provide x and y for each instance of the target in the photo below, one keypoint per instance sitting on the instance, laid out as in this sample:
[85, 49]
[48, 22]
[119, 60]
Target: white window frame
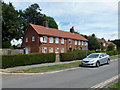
[62, 40]
[78, 42]
[104, 44]
[50, 39]
[44, 39]
[86, 43]
[56, 40]
[75, 42]
[82, 43]
[62, 50]
[33, 38]
[70, 41]
[43, 48]
[56, 51]
[26, 39]
[50, 48]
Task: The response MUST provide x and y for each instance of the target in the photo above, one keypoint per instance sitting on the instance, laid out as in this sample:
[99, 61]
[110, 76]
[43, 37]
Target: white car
[96, 59]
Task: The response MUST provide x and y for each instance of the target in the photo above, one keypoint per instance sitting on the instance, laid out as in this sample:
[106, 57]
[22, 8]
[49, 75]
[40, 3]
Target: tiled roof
[100, 40]
[110, 43]
[55, 32]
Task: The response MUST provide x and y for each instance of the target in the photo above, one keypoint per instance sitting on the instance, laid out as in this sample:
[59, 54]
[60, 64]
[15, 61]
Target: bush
[27, 59]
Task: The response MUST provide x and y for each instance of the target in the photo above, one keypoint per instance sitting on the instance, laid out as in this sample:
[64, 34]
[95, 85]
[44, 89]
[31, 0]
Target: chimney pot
[72, 29]
[45, 23]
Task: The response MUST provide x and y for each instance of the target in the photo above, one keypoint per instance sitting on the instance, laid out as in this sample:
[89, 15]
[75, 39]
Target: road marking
[103, 84]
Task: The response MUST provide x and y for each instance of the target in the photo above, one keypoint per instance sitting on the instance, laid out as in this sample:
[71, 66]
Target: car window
[102, 55]
[93, 55]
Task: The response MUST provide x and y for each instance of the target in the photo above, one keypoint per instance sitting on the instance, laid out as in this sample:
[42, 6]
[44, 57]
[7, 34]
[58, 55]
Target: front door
[26, 50]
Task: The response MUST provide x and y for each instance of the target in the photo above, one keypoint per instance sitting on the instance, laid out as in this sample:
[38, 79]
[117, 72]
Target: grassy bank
[114, 57]
[48, 68]
[116, 85]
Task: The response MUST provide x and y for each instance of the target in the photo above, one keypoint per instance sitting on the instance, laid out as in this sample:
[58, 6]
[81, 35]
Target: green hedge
[27, 59]
[80, 54]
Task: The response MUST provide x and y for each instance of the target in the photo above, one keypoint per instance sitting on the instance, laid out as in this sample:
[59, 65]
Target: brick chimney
[93, 35]
[108, 40]
[45, 23]
[72, 29]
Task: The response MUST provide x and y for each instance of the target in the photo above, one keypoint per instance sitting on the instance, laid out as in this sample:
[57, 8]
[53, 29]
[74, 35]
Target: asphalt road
[83, 77]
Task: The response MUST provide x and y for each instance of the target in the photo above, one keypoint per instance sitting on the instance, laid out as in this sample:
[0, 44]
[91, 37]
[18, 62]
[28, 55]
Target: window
[62, 40]
[50, 39]
[44, 39]
[75, 42]
[26, 39]
[44, 50]
[62, 50]
[57, 40]
[33, 38]
[56, 50]
[78, 42]
[51, 50]
[86, 43]
[82, 43]
[104, 44]
[70, 42]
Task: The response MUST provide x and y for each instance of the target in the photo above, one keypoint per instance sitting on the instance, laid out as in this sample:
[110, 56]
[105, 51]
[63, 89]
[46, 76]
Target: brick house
[43, 39]
[104, 43]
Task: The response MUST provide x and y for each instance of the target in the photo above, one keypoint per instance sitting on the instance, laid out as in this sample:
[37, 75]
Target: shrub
[27, 59]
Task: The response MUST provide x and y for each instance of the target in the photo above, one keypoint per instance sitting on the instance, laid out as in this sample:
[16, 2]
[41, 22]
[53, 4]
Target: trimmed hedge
[80, 54]
[27, 59]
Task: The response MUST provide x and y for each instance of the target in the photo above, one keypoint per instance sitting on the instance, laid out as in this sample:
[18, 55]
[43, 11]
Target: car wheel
[108, 61]
[97, 64]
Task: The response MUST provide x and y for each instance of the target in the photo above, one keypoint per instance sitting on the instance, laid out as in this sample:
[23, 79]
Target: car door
[102, 59]
[106, 58]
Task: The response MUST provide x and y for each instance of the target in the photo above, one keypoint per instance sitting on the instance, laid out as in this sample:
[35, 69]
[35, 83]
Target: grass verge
[114, 57]
[116, 85]
[48, 68]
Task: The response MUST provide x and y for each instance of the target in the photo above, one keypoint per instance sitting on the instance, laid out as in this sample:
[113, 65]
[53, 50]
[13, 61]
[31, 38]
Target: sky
[98, 17]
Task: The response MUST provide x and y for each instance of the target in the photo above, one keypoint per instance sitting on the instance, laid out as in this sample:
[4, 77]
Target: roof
[110, 43]
[100, 40]
[55, 32]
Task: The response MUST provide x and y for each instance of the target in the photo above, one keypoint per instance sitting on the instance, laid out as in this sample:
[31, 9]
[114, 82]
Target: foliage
[104, 48]
[110, 47]
[117, 42]
[93, 44]
[27, 59]
[6, 44]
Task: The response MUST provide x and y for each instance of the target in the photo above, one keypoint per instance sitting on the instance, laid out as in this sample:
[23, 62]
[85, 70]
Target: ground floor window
[62, 50]
[51, 50]
[56, 50]
[44, 50]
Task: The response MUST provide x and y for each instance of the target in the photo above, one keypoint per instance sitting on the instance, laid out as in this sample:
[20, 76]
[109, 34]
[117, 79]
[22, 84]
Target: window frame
[75, 42]
[52, 50]
[33, 38]
[57, 40]
[44, 38]
[26, 40]
[62, 40]
[79, 42]
[51, 39]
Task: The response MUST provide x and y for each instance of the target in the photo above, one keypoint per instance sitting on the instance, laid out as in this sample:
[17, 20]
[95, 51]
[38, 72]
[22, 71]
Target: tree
[93, 44]
[110, 47]
[117, 42]
[10, 23]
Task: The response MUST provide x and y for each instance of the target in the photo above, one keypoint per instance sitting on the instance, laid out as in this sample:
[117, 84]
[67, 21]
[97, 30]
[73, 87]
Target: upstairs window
[104, 44]
[44, 39]
[82, 43]
[33, 38]
[78, 42]
[26, 39]
[86, 43]
[57, 40]
[62, 40]
[70, 42]
[75, 42]
[50, 39]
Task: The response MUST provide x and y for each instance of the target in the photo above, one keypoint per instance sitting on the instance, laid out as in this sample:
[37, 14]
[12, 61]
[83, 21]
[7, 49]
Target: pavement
[37, 65]
[77, 77]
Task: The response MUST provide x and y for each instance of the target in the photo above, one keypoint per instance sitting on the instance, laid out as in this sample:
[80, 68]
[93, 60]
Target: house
[104, 43]
[43, 39]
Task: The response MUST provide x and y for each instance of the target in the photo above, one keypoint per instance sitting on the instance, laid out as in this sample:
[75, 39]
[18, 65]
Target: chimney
[108, 40]
[93, 35]
[72, 29]
[102, 38]
[45, 23]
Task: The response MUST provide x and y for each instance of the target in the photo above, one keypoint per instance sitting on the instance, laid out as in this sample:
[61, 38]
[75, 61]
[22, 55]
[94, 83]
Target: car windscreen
[93, 56]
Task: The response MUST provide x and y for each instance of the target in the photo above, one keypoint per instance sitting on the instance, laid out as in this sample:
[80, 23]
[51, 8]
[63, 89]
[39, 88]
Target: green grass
[48, 68]
[114, 57]
[115, 85]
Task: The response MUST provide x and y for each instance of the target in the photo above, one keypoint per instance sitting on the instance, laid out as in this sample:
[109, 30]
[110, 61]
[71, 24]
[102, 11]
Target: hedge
[27, 59]
[80, 54]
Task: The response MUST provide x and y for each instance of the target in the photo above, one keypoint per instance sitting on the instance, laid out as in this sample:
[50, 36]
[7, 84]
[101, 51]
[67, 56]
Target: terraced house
[43, 39]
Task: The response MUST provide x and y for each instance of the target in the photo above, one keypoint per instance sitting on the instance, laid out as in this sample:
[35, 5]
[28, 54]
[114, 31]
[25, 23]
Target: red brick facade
[45, 47]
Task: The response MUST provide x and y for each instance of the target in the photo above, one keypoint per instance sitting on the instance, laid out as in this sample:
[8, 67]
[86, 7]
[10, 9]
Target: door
[26, 50]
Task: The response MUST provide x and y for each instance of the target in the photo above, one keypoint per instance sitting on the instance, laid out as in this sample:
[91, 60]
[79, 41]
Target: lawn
[48, 68]
[116, 85]
[114, 57]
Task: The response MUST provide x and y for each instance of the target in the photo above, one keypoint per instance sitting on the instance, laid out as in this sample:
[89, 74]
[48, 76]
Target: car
[96, 59]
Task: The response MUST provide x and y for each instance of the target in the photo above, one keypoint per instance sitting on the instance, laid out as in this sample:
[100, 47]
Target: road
[83, 77]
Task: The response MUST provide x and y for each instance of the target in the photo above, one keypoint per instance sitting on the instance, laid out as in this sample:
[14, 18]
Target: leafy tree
[117, 42]
[93, 44]
[6, 44]
[110, 47]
